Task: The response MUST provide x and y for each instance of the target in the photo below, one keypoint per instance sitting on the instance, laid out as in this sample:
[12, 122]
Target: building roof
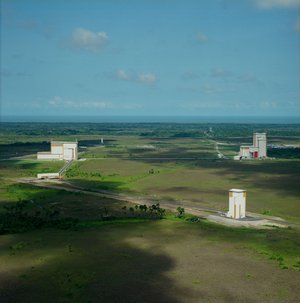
[64, 142]
[236, 190]
[245, 146]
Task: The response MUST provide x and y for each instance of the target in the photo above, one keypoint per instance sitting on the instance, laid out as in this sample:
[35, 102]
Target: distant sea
[154, 119]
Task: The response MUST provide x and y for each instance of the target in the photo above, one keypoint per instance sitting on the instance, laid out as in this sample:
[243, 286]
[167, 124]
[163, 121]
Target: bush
[180, 211]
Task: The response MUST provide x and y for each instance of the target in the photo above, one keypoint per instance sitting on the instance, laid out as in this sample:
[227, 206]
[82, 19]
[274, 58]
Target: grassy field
[147, 261]
[168, 161]
[12, 169]
[113, 252]
[272, 185]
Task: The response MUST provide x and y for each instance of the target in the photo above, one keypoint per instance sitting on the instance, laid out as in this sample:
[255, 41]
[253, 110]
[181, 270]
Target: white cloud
[144, 77]
[232, 76]
[210, 89]
[204, 104]
[147, 78]
[201, 37]
[221, 73]
[268, 104]
[88, 40]
[248, 78]
[58, 101]
[231, 105]
[129, 106]
[268, 4]
[123, 75]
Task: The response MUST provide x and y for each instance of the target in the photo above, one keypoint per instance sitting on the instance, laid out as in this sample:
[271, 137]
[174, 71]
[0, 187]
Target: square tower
[260, 141]
[237, 203]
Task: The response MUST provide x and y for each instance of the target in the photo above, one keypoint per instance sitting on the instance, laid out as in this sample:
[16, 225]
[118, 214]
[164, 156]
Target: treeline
[143, 211]
[284, 153]
[177, 130]
[25, 215]
[28, 215]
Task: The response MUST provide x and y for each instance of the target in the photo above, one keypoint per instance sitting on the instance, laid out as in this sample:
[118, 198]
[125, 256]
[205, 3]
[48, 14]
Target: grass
[165, 261]
[27, 168]
[272, 185]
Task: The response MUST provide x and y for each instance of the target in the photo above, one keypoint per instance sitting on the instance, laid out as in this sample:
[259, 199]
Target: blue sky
[164, 57]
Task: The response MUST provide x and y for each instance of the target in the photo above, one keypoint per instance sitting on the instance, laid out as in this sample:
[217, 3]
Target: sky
[150, 57]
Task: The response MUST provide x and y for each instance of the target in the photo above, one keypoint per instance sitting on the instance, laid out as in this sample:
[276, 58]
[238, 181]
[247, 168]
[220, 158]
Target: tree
[180, 211]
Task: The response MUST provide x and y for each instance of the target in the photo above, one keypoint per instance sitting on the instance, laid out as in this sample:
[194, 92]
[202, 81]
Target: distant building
[260, 141]
[48, 176]
[60, 150]
[257, 150]
[237, 204]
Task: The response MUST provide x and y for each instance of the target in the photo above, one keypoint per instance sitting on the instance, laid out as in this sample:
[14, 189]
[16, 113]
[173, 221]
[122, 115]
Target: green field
[148, 261]
[74, 247]
[166, 161]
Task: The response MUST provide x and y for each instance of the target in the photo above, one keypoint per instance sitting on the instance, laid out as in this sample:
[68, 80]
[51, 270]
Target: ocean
[154, 119]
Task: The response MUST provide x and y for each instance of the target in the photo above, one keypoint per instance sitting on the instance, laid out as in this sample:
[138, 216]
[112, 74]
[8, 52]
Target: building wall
[260, 141]
[237, 204]
[61, 151]
[47, 156]
[70, 151]
[244, 152]
[254, 153]
[48, 176]
[56, 149]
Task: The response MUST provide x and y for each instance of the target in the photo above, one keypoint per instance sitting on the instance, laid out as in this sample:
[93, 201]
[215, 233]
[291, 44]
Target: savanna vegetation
[77, 247]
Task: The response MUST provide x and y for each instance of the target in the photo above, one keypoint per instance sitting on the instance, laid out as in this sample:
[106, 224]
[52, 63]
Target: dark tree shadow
[19, 149]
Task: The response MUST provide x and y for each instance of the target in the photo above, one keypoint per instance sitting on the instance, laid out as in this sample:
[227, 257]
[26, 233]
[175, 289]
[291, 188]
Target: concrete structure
[60, 150]
[260, 142]
[48, 176]
[257, 150]
[237, 204]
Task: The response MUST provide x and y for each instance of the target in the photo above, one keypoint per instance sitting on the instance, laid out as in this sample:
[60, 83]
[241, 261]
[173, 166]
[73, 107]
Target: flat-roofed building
[237, 203]
[60, 150]
[257, 150]
[260, 141]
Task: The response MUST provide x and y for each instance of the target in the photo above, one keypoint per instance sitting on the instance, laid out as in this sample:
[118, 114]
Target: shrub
[180, 211]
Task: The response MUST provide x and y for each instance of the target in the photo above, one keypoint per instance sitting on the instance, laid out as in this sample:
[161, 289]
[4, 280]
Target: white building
[48, 176]
[257, 150]
[237, 204]
[60, 150]
[260, 141]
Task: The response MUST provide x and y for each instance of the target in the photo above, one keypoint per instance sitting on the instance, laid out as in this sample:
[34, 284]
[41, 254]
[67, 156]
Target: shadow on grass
[18, 164]
[94, 185]
[68, 204]
[97, 265]
[94, 142]
[21, 149]
[282, 176]
[171, 152]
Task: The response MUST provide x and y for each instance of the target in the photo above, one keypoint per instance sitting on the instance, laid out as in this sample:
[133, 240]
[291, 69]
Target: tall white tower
[237, 203]
[260, 141]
